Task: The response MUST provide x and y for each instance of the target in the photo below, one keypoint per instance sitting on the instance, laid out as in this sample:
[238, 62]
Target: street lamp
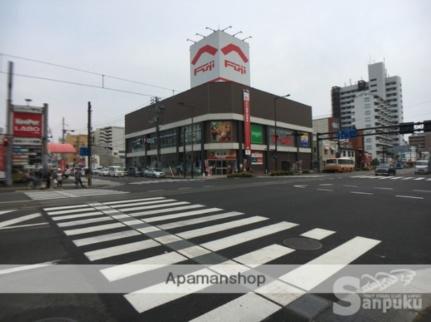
[276, 98]
[193, 135]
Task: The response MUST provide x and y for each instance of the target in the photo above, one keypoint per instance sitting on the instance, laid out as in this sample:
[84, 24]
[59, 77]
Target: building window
[285, 137]
[221, 131]
[196, 134]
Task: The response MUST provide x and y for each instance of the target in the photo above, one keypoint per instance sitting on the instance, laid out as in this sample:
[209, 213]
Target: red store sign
[247, 125]
[27, 125]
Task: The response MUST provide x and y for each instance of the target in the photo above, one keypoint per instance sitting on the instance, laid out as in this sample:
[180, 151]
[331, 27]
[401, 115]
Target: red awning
[60, 148]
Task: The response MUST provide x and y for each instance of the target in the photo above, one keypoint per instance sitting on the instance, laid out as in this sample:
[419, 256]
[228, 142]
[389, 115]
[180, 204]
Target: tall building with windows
[372, 103]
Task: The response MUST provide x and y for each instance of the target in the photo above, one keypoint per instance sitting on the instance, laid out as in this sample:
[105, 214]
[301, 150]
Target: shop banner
[221, 131]
[27, 125]
[247, 125]
[256, 134]
[222, 155]
[257, 158]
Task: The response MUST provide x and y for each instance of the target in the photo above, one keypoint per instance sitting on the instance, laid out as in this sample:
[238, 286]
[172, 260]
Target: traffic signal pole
[9, 125]
[89, 143]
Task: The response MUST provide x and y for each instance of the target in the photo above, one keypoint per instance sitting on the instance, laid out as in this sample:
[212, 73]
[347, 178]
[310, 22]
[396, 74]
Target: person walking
[78, 178]
[59, 179]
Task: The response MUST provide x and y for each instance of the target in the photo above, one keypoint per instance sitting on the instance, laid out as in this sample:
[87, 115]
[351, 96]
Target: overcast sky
[298, 47]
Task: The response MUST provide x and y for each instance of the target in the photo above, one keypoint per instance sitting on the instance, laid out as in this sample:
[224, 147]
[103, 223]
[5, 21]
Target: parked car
[423, 167]
[97, 170]
[134, 172]
[104, 172]
[385, 169]
[154, 173]
[116, 171]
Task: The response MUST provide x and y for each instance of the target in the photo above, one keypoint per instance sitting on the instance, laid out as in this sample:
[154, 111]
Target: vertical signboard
[247, 125]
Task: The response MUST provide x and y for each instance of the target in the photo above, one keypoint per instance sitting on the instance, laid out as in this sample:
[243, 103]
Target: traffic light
[408, 127]
[427, 126]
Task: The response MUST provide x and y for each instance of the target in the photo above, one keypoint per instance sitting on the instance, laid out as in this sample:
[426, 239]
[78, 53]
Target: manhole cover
[302, 243]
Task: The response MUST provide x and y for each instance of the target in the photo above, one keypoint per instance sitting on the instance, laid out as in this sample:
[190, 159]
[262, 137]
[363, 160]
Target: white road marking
[361, 193]
[142, 203]
[326, 184]
[318, 233]
[131, 200]
[246, 236]
[249, 307]
[323, 189]
[383, 188]
[350, 185]
[88, 221]
[300, 186]
[115, 273]
[18, 220]
[25, 267]
[179, 203]
[220, 227]
[429, 179]
[105, 237]
[420, 190]
[421, 178]
[161, 211]
[321, 268]
[194, 221]
[25, 226]
[69, 211]
[263, 255]
[120, 249]
[65, 207]
[396, 178]
[407, 178]
[6, 211]
[87, 214]
[411, 197]
[91, 229]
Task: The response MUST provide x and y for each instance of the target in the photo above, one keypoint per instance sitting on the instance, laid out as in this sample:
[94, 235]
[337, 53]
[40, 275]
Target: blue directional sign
[347, 133]
[83, 151]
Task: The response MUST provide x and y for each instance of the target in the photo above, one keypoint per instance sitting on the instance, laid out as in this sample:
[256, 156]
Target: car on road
[154, 173]
[423, 167]
[116, 171]
[385, 169]
[97, 170]
[134, 172]
[339, 165]
[104, 172]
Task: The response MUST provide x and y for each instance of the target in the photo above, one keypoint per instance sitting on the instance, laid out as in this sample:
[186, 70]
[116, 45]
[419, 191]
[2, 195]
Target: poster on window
[221, 131]
[257, 158]
[256, 134]
[304, 140]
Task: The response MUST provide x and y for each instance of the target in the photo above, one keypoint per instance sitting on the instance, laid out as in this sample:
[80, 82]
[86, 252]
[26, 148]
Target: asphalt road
[347, 218]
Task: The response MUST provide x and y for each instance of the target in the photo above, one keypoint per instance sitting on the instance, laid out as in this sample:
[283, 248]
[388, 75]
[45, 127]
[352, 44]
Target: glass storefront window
[197, 134]
[285, 137]
[135, 144]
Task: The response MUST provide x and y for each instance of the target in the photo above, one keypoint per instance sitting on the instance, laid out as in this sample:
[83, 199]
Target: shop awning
[61, 148]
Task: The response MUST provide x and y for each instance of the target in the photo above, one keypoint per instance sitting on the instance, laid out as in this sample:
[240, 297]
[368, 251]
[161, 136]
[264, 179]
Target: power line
[103, 75]
[79, 84]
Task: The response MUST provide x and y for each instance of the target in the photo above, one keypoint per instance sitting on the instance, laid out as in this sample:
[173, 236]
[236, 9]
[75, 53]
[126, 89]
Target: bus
[339, 165]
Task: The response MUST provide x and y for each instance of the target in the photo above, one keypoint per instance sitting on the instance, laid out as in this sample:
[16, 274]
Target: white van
[116, 171]
[423, 167]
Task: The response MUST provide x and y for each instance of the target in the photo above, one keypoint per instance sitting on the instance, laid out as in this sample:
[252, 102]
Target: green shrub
[240, 175]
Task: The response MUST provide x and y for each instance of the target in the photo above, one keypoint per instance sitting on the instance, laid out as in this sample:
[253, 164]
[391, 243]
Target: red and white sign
[219, 56]
[257, 158]
[247, 124]
[27, 125]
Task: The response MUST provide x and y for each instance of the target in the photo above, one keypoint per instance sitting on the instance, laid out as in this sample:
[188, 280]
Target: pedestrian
[48, 178]
[59, 179]
[78, 178]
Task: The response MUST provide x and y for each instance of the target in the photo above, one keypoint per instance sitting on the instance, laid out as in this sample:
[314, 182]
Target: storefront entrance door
[221, 167]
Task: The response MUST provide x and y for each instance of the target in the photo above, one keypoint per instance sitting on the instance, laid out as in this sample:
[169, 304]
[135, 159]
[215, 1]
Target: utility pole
[45, 140]
[9, 137]
[158, 109]
[62, 130]
[89, 144]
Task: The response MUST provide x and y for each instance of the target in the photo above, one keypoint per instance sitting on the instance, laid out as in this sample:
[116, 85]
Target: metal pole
[193, 142]
[45, 140]
[275, 135]
[62, 130]
[89, 143]
[9, 109]
[184, 152]
[318, 151]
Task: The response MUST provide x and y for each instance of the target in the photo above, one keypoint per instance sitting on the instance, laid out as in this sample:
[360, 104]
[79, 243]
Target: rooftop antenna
[208, 28]
[191, 40]
[198, 34]
[237, 33]
[249, 37]
[228, 27]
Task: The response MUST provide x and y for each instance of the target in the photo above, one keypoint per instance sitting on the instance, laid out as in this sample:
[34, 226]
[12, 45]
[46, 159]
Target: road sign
[347, 133]
[83, 151]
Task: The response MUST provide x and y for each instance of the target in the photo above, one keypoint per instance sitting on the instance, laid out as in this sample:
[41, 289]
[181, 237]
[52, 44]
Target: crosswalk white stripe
[142, 203]
[118, 272]
[318, 233]
[249, 307]
[6, 211]
[71, 211]
[106, 237]
[18, 220]
[407, 178]
[180, 215]
[421, 178]
[79, 231]
[86, 214]
[179, 203]
[240, 238]
[263, 255]
[194, 221]
[396, 178]
[319, 269]
[156, 295]
[131, 200]
[162, 211]
[88, 221]
[220, 227]
[65, 207]
[120, 249]
[429, 179]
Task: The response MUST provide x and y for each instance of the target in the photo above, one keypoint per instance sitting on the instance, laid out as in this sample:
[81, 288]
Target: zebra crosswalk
[72, 193]
[145, 235]
[165, 180]
[11, 219]
[392, 178]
